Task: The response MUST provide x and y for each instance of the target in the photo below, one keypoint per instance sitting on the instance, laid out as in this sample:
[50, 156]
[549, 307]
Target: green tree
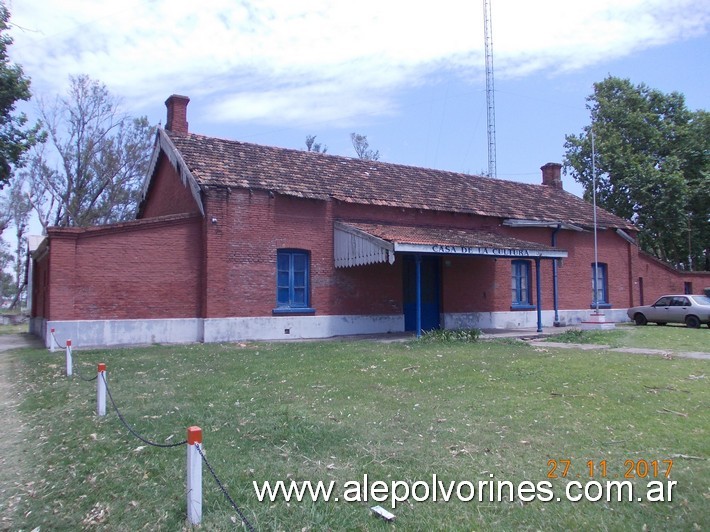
[91, 170]
[16, 209]
[7, 283]
[652, 158]
[312, 145]
[15, 137]
[362, 148]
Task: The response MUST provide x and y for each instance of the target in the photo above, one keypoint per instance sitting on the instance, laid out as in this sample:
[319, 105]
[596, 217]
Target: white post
[101, 390]
[69, 361]
[194, 475]
[52, 340]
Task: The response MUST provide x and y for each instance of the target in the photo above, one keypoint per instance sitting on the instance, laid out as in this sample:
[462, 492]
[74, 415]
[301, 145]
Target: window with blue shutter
[600, 292]
[521, 284]
[292, 281]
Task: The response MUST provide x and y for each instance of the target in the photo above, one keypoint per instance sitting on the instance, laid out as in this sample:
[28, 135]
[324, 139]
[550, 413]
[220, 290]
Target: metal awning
[357, 244]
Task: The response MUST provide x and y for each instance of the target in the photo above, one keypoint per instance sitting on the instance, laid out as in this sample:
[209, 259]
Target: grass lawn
[339, 410]
[671, 337]
[13, 329]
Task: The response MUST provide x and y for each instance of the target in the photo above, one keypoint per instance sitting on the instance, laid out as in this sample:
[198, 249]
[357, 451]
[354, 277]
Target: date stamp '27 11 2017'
[600, 469]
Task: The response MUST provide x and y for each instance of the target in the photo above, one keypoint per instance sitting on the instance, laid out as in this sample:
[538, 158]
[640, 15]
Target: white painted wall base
[523, 319]
[298, 327]
[96, 333]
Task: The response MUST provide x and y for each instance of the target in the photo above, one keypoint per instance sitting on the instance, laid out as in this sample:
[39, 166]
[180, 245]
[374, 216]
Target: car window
[663, 302]
[680, 302]
[702, 300]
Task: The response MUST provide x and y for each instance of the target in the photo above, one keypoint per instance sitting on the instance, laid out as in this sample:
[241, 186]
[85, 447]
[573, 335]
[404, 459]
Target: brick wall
[371, 289]
[240, 249]
[167, 194]
[252, 226]
[142, 269]
[659, 279]
[575, 273]
[40, 286]
[470, 285]
[483, 284]
[62, 282]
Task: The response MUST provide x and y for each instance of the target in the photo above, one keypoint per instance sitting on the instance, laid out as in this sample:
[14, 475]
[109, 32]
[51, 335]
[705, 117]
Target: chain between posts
[74, 367]
[55, 339]
[125, 424]
[85, 379]
[244, 519]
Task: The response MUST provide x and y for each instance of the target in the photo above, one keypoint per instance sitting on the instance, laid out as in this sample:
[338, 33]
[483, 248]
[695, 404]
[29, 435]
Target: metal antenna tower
[490, 89]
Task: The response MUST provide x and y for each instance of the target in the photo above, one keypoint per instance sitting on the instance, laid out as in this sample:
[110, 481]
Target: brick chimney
[177, 114]
[552, 175]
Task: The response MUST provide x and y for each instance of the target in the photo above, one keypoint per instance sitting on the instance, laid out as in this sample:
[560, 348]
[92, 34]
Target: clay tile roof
[219, 162]
[444, 236]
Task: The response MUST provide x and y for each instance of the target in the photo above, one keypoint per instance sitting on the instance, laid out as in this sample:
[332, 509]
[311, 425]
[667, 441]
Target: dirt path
[13, 467]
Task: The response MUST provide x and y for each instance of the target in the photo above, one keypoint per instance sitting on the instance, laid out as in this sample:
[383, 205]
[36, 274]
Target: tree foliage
[7, 283]
[652, 162]
[16, 208]
[312, 145]
[92, 167]
[362, 147]
[15, 137]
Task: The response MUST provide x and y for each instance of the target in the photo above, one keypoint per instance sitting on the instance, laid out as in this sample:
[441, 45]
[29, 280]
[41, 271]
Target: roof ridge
[299, 173]
[360, 161]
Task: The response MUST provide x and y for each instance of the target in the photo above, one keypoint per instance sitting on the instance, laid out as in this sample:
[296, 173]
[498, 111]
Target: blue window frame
[520, 284]
[600, 292]
[292, 281]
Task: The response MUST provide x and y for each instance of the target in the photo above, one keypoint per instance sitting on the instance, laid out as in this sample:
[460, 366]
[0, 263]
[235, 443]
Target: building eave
[164, 145]
[358, 244]
[514, 222]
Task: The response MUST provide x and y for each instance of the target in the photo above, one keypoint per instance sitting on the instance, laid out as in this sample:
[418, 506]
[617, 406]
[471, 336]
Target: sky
[408, 75]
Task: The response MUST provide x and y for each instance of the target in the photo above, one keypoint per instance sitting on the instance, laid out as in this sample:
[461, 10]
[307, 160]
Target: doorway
[430, 282]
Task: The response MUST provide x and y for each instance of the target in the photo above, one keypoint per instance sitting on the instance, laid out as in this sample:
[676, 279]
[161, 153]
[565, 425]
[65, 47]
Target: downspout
[539, 294]
[554, 277]
[418, 262]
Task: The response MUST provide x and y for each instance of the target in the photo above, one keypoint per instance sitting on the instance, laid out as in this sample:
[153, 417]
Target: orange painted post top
[102, 367]
[68, 343]
[194, 435]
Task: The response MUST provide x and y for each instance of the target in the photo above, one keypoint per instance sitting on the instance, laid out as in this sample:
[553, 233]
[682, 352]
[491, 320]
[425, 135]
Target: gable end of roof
[164, 145]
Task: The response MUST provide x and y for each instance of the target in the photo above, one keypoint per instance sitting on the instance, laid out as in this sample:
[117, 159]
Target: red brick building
[236, 241]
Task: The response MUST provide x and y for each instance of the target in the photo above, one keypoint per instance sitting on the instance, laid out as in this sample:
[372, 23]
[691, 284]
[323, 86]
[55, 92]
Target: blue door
[429, 293]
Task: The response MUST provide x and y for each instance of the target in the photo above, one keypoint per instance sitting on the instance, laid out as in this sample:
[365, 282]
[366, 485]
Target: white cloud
[280, 60]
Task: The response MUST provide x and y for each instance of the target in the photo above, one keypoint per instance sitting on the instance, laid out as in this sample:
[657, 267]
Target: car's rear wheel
[693, 322]
[640, 319]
